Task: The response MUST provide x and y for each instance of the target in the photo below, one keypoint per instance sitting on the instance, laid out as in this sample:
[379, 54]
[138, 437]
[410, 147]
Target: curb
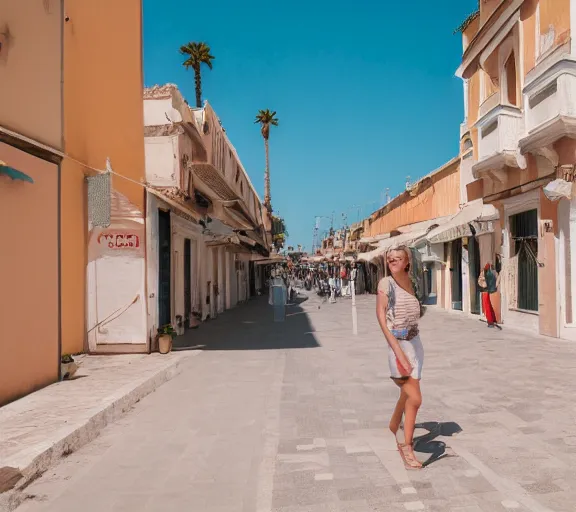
[125, 398]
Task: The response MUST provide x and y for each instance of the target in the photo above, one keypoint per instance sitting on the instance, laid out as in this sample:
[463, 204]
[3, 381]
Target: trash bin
[279, 303]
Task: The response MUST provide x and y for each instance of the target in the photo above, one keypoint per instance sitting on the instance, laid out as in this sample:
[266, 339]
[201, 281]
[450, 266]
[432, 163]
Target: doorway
[215, 281]
[524, 231]
[164, 268]
[474, 272]
[187, 281]
[456, 274]
[252, 279]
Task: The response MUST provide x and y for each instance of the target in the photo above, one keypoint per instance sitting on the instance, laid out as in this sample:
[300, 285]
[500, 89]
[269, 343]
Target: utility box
[279, 303]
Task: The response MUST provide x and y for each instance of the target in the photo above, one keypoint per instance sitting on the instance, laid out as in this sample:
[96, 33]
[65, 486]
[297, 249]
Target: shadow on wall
[251, 326]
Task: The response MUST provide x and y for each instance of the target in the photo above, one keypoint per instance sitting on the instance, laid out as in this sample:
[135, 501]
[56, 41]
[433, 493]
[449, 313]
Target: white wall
[159, 112]
[466, 306]
[233, 282]
[221, 303]
[181, 229]
[116, 285]
[566, 265]
[162, 162]
[152, 263]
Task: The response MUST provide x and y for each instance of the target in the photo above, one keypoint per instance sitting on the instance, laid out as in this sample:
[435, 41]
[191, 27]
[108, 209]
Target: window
[524, 233]
[510, 77]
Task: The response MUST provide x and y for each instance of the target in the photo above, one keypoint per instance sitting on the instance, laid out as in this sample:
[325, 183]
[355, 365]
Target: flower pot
[67, 370]
[164, 343]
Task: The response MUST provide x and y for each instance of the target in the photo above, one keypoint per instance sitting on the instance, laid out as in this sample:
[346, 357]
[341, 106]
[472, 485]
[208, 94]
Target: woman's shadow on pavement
[427, 443]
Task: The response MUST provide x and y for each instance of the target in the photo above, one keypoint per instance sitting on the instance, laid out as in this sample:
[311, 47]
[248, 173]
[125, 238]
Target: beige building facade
[205, 222]
[520, 107]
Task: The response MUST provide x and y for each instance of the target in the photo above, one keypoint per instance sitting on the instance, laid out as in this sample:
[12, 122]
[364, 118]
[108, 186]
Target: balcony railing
[549, 103]
[499, 132]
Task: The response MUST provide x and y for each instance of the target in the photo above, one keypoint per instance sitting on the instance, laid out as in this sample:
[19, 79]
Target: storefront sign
[119, 240]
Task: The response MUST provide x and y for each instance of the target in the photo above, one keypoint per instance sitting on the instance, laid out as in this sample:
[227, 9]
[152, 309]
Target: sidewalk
[39, 429]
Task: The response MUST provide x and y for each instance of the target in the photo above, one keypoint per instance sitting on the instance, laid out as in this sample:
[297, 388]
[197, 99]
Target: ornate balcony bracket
[548, 133]
[496, 164]
[550, 154]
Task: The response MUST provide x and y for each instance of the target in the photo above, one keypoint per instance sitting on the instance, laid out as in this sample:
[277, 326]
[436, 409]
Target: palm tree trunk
[267, 198]
[198, 83]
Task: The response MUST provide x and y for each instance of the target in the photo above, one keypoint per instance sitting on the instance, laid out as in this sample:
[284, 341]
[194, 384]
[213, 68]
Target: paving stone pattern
[292, 417]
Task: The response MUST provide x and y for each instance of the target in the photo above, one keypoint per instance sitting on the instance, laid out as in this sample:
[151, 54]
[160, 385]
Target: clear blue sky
[365, 92]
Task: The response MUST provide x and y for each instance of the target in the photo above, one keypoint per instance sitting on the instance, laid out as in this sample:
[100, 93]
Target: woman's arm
[381, 310]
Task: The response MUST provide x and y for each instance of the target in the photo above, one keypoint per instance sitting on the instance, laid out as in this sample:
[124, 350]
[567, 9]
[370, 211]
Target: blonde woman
[398, 311]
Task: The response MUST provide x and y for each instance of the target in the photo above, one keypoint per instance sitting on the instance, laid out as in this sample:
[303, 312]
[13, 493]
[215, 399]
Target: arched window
[467, 145]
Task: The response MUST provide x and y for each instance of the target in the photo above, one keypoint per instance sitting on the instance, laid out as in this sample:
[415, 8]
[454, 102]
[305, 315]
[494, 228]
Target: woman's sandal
[407, 453]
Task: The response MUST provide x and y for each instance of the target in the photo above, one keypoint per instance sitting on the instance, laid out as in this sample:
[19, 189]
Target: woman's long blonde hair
[398, 248]
[408, 252]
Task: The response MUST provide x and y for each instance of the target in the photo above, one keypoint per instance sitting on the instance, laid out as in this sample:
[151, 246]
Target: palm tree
[266, 118]
[196, 55]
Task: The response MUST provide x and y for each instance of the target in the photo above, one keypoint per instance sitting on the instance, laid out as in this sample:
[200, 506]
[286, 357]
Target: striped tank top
[403, 307]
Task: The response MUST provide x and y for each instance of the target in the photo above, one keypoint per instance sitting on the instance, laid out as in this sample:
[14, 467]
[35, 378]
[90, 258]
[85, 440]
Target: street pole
[354, 311]
[345, 218]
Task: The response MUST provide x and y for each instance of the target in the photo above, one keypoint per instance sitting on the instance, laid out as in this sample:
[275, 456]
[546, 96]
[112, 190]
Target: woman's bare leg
[413, 402]
[396, 418]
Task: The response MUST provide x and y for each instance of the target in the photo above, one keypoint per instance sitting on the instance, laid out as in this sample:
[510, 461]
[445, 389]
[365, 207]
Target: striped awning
[481, 216]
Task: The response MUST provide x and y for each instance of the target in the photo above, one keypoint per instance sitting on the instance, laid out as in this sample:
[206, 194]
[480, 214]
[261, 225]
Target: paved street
[293, 417]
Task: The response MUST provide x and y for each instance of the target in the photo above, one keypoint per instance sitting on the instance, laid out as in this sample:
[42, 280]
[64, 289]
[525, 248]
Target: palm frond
[198, 53]
[266, 117]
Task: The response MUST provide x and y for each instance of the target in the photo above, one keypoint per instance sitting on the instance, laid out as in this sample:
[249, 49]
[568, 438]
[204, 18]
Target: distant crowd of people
[330, 281]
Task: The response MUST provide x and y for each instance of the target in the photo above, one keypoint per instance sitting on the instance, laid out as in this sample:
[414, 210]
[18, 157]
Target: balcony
[499, 131]
[549, 102]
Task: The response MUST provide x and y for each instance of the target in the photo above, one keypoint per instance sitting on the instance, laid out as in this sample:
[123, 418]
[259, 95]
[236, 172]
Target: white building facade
[204, 219]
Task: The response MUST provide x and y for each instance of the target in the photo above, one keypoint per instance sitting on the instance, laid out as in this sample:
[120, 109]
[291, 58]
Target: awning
[373, 239]
[211, 183]
[480, 215]
[272, 260]
[239, 208]
[174, 203]
[383, 246]
[223, 240]
[246, 240]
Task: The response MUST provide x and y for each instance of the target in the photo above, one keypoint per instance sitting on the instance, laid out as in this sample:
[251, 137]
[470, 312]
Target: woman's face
[397, 261]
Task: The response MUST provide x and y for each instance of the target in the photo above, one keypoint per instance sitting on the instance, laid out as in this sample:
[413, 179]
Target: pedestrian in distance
[488, 282]
[398, 311]
[332, 284]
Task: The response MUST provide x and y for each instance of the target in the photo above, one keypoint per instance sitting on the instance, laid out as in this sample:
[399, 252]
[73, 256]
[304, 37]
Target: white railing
[551, 95]
[499, 132]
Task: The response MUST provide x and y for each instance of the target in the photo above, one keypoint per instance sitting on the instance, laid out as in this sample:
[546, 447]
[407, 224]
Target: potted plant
[194, 320]
[68, 367]
[165, 335]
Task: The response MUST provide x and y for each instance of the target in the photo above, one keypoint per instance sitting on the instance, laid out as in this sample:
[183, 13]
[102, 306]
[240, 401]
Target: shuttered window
[524, 231]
